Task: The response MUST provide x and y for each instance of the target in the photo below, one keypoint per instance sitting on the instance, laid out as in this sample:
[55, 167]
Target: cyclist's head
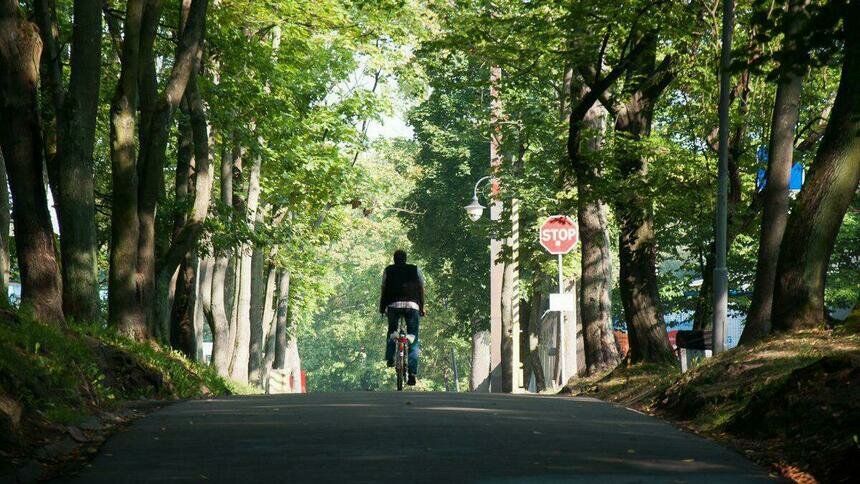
[399, 256]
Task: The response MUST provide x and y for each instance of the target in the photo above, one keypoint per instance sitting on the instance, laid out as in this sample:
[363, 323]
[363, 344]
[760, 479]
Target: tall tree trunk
[234, 268]
[183, 248]
[124, 309]
[479, 379]
[776, 196]
[5, 220]
[829, 188]
[293, 362]
[596, 264]
[221, 349]
[649, 341]
[77, 213]
[204, 301]
[535, 324]
[258, 301]
[155, 128]
[21, 142]
[269, 323]
[508, 363]
[181, 314]
[281, 326]
[45, 16]
[218, 315]
[182, 331]
[151, 297]
[241, 352]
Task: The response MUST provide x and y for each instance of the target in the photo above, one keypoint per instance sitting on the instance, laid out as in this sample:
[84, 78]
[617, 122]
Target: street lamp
[474, 210]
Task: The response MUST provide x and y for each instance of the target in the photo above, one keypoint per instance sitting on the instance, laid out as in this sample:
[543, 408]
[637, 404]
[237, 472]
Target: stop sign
[559, 234]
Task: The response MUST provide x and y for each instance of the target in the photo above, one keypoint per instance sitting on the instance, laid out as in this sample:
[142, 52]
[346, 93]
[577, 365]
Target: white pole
[561, 325]
[575, 329]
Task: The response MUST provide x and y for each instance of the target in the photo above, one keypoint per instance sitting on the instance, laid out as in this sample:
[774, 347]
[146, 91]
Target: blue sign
[796, 177]
[761, 154]
[795, 183]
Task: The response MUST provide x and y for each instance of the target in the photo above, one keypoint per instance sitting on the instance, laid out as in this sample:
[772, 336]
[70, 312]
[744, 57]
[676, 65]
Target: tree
[810, 234]
[73, 113]
[786, 111]
[21, 142]
[637, 246]
[124, 310]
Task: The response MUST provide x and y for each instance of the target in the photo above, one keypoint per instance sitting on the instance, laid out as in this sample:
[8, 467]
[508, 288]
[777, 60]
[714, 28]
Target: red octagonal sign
[559, 234]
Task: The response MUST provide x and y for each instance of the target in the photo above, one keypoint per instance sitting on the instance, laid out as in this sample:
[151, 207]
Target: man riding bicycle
[402, 295]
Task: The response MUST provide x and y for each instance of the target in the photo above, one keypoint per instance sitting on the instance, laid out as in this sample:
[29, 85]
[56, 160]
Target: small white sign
[561, 302]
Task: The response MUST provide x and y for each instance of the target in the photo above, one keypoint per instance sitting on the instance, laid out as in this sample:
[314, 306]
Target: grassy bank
[791, 402]
[63, 390]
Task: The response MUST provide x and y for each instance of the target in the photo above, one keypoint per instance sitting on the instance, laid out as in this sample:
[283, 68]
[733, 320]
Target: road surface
[410, 437]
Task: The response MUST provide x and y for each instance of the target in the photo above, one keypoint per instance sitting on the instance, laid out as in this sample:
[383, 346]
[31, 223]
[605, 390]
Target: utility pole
[721, 283]
[496, 268]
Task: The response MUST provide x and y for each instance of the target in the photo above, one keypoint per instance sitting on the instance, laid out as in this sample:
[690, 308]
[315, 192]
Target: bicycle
[401, 353]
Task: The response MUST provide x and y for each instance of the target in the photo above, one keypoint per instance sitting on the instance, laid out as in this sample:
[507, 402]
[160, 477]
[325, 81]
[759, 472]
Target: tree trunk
[185, 284]
[508, 364]
[269, 323]
[155, 128]
[241, 353]
[45, 16]
[182, 335]
[21, 142]
[649, 341]
[479, 379]
[595, 303]
[293, 363]
[281, 320]
[221, 349]
[124, 309]
[535, 323]
[234, 269]
[830, 186]
[219, 315]
[259, 283]
[185, 236]
[203, 314]
[5, 220]
[77, 130]
[776, 192]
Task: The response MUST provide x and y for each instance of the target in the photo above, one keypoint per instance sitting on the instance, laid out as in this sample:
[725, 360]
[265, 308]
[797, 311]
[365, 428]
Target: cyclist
[402, 295]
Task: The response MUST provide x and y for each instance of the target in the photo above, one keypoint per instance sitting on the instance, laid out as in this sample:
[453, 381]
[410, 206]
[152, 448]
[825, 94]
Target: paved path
[410, 437]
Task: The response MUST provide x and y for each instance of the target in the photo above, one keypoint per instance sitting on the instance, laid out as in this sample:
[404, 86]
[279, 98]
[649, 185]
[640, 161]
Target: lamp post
[474, 210]
[721, 295]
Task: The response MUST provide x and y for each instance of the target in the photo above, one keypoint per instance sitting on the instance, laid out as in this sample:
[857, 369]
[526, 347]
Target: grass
[52, 378]
[791, 401]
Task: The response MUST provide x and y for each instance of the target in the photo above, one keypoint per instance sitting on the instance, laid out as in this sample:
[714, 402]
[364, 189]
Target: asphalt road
[410, 437]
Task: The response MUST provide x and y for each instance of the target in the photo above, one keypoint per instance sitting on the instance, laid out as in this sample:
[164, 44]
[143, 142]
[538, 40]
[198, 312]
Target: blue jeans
[412, 321]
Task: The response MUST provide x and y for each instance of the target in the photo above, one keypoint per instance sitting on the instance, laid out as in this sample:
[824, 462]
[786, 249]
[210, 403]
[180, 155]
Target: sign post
[558, 235]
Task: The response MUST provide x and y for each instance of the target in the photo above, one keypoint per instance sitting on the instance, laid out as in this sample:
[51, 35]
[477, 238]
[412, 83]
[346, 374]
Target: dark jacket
[401, 283]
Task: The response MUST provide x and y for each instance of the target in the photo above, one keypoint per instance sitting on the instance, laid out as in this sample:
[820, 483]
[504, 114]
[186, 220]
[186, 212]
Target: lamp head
[474, 210]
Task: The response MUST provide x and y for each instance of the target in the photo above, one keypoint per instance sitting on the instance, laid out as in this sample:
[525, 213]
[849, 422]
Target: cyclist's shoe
[411, 380]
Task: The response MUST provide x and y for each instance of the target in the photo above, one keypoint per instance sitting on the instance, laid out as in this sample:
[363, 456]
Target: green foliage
[342, 344]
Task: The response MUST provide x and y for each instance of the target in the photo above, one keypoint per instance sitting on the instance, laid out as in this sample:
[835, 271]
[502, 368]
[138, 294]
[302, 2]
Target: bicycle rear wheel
[400, 367]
